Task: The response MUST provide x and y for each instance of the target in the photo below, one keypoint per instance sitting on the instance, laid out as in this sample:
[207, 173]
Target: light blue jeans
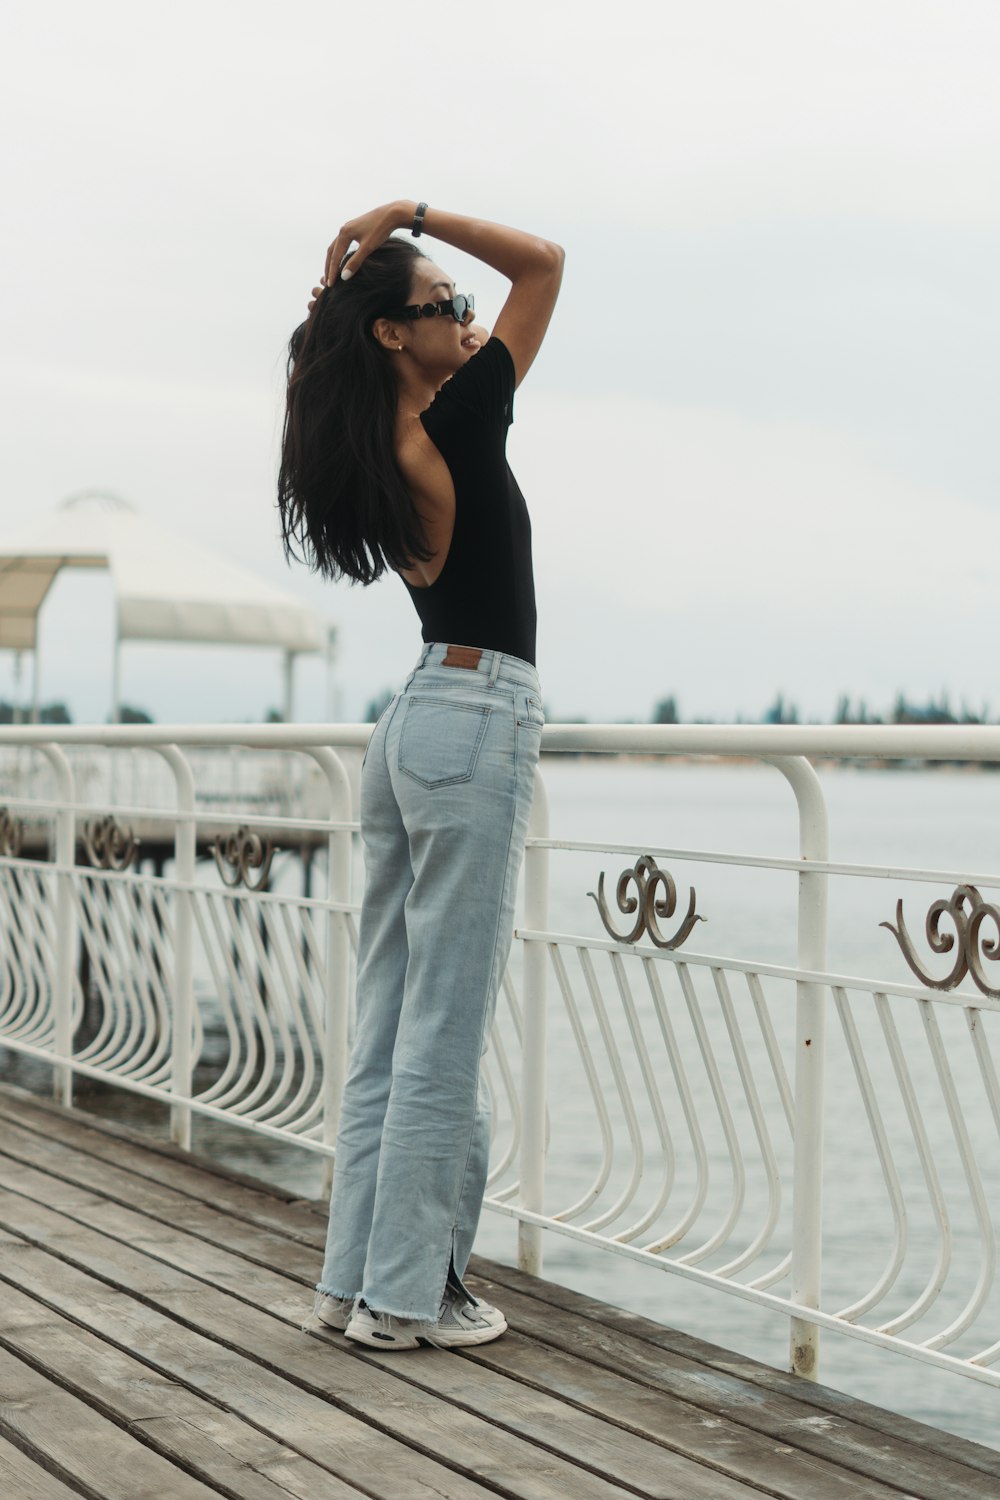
[446, 793]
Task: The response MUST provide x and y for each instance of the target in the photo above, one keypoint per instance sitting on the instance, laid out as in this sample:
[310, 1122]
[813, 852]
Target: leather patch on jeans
[462, 656]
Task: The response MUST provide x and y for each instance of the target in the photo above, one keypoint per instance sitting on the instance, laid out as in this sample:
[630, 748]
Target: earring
[400, 348]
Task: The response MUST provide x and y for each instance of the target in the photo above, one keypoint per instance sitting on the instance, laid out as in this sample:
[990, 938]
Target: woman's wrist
[407, 208]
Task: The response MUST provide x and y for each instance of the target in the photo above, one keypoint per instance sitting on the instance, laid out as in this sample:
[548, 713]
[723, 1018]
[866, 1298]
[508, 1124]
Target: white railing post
[63, 960]
[810, 1061]
[532, 1156]
[182, 990]
[338, 953]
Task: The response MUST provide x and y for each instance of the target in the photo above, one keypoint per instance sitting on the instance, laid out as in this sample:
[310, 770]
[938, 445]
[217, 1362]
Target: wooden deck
[151, 1345]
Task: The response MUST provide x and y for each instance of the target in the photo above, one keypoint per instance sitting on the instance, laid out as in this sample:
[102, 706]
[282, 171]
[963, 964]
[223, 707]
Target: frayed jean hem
[330, 1291]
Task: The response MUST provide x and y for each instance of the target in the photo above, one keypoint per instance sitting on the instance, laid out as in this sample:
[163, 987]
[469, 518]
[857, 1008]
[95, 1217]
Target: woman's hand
[370, 230]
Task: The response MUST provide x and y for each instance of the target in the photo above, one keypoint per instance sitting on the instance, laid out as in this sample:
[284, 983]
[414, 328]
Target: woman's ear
[387, 333]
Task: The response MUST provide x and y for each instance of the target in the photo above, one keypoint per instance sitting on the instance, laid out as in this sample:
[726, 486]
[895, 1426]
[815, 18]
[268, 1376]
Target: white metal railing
[709, 1114]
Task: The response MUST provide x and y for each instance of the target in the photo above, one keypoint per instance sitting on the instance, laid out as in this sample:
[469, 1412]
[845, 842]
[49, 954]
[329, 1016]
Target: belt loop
[495, 669]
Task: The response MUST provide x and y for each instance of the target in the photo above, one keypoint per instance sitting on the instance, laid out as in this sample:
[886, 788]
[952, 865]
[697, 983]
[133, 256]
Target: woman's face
[439, 345]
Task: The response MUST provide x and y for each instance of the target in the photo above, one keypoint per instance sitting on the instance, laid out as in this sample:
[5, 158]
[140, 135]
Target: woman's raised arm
[532, 265]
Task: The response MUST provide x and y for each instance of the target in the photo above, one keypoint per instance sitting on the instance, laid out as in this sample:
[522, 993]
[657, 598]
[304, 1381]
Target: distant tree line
[58, 713]
[48, 713]
[934, 711]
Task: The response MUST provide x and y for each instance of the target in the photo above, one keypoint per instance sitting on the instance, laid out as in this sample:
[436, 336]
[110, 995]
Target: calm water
[941, 819]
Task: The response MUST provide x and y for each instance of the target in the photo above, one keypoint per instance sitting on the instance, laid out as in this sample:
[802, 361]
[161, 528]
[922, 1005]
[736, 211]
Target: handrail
[949, 742]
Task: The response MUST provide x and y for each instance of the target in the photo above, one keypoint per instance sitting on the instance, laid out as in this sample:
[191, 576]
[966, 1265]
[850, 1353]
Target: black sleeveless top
[485, 593]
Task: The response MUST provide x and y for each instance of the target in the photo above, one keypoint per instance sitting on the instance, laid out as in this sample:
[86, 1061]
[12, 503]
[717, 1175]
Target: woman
[393, 457]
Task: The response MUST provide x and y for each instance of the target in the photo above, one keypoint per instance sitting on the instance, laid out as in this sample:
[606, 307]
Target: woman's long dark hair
[341, 496]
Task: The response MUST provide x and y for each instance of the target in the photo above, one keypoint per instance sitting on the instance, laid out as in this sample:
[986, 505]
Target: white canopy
[166, 588]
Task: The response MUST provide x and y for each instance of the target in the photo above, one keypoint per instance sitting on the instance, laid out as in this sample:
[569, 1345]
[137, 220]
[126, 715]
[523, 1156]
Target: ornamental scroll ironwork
[646, 905]
[11, 834]
[966, 908]
[236, 854]
[109, 845]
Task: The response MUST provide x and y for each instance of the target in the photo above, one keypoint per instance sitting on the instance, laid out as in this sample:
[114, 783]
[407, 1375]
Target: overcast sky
[759, 445]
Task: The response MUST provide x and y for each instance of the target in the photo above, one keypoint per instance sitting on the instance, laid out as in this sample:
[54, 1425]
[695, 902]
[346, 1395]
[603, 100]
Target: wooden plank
[257, 1204]
[287, 1297]
[540, 1445]
[306, 1391]
[703, 1373]
[94, 1191]
[212, 1443]
[318, 1429]
[66, 1436]
[780, 1467]
[22, 1479]
[721, 1446]
[895, 1450]
[721, 1442]
[771, 1436]
[682, 1428]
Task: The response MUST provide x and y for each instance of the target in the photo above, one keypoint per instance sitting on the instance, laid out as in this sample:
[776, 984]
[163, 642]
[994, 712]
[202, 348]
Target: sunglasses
[457, 307]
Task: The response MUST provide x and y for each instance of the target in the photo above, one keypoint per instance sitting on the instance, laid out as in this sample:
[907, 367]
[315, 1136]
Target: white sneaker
[335, 1312]
[464, 1320]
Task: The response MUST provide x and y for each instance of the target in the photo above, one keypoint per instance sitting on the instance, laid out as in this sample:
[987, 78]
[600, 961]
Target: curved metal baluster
[90, 935]
[250, 1004]
[33, 1020]
[769, 1278]
[305, 1106]
[144, 1057]
[967, 1156]
[988, 1073]
[156, 1068]
[270, 1093]
[119, 939]
[226, 984]
[726, 1119]
[126, 987]
[10, 977]
[307, 1018]
[675, 1055]
[25, 991]
[780, 1271]
[931, 1178]
[624, 1094]
[299, 1042]
[255, 1036]
[596, 1093]
[777, 1062]
[18, 1007]
[763, 1134]
[883, 1151]
[43, 945]
[625, 1236]
[308, 966]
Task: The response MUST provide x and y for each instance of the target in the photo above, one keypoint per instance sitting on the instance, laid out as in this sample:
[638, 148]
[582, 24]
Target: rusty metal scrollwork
[236, 854]
[11, 834]
[109, 846]
[968, 911]
[646, 905]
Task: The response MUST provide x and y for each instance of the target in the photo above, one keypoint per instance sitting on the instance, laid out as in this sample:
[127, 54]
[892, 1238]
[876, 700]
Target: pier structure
[671, 1085]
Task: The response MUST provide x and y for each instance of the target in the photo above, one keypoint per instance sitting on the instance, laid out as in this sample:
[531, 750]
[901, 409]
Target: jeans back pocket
[440, 740]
